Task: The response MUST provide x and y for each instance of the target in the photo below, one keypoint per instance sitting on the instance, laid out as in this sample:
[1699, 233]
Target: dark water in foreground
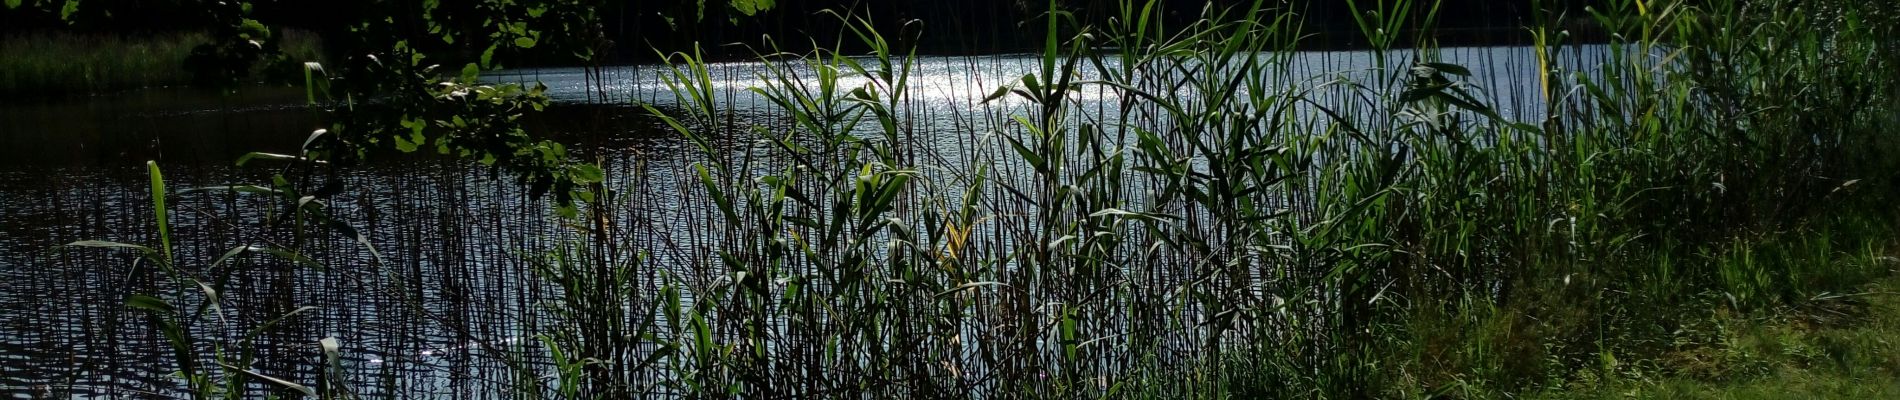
[456, 241]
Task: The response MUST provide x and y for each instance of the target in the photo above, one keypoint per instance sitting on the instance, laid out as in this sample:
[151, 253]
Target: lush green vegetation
[62, 63]
[1229, 232]
[1234, 230]
[1838, 347]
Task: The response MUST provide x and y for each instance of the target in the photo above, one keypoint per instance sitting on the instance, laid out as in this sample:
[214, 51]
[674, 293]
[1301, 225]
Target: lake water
[456, 241]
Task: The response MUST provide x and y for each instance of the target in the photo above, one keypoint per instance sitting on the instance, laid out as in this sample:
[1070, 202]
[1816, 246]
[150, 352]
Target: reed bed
[1231, 223]
[1148, 211]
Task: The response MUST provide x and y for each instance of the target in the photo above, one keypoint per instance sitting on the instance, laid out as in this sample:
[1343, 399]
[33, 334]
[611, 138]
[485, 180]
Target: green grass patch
[1572, 337]
[1840, 347]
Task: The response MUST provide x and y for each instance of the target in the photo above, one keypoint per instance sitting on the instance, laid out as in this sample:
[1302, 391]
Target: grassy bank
[1581, 338]
[1837, 347]
[64, 63]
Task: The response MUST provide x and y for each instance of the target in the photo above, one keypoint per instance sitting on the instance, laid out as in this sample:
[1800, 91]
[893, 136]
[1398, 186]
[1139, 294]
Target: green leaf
[1452, 69]
[150, 304]
[251, 29]
[66, 12]
[889, 192]
[405, 145]
[310, 72]
[524, 42]
[999, 93]
[158, 206]
[488, 56]
[751, 7]
[1068, 336]
[1035, 161]
[718, 196]
[702, 337]
[588, 173]
[470, 72]
[13, 3]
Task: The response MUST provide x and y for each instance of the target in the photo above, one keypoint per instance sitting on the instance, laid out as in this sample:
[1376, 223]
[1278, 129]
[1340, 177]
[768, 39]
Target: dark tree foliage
[404, 75]
[407, 78]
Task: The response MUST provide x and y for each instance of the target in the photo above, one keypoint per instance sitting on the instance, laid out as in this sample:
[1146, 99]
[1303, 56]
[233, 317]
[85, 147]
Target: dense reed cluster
[1161, 211]
[1230, 223]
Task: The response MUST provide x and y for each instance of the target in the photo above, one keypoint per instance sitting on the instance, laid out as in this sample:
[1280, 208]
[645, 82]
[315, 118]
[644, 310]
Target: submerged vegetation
[1188, 212]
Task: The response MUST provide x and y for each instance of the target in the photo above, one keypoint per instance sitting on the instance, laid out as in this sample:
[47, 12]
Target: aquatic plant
[1194, 211]
[1228, 227]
